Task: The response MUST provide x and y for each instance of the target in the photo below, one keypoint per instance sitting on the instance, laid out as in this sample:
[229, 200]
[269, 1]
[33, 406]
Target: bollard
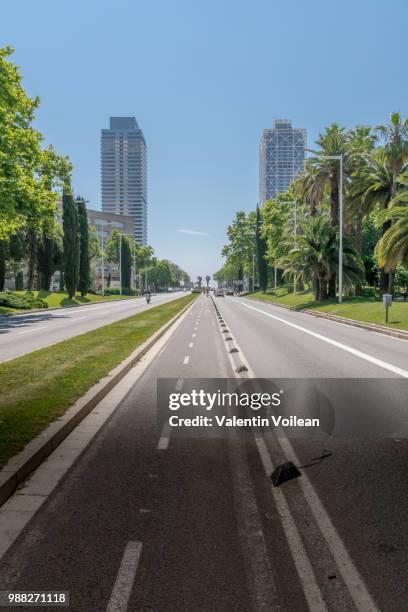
[387, 301]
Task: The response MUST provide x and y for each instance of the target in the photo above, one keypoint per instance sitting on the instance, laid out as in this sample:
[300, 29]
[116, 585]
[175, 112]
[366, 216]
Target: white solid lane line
[126, 575]
[29, 331]
[303, 566]
[351, 576]
[378, 362]
[186, 360]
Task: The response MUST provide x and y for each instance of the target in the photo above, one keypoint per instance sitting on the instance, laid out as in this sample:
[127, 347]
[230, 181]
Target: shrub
[125, 291]
[26, 301]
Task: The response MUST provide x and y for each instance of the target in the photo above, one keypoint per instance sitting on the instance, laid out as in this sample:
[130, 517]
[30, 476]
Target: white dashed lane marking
[124, 581]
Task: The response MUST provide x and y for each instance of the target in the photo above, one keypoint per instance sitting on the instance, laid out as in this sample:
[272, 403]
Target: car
[219, 293]
[230, 291]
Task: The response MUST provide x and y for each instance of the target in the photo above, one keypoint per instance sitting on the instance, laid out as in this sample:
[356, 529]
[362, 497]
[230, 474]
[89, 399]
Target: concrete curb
[44, 310]
[21, 465]
[323, 315]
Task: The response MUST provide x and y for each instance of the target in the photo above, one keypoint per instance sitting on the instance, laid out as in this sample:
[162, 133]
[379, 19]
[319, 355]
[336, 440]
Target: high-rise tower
[281, 155]
[124, 172]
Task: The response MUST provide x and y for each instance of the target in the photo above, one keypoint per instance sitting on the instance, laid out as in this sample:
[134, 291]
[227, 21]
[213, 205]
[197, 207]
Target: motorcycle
[148, 298]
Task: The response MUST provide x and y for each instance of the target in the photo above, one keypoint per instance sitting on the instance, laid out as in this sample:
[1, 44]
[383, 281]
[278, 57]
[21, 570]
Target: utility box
[387, 301]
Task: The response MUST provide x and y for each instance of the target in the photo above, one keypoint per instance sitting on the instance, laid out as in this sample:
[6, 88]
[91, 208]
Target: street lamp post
[340, 159]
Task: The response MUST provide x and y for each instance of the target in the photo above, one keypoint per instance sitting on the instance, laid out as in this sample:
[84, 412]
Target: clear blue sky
[203, 79]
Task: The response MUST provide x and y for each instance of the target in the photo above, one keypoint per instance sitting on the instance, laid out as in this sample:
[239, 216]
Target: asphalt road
[199, 515]
[24, 333]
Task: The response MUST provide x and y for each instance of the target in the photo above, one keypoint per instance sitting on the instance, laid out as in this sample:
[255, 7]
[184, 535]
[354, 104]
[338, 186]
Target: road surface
[146, 520]
[20, 334]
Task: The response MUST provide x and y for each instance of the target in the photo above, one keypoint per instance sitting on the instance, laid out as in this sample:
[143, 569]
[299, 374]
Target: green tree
[393, 246]
[17, 253]
[112, 246]
[3, 249]
[25, 181]
[326, 173]
[240, 250]
[93, 243]
[126, 263]
[49, 254]
[225, 275]
[401, 277]
[316, 255]
[261, 249]
[159, 274]
[84, 258]
[395, 136]
[372, 188]
[120, 243]
[71, 241]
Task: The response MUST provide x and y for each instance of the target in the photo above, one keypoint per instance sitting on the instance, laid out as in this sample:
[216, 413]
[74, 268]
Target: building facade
[103, 223]
[124, 173]
[281, 157]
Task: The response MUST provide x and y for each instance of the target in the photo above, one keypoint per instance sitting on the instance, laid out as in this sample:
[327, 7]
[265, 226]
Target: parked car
[230, 291]
[219, 293]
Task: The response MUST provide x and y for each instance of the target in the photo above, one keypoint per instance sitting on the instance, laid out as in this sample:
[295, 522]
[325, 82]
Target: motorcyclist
[148, 296]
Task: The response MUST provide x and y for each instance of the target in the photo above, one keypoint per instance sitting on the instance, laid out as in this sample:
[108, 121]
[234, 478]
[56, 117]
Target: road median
[45, 394]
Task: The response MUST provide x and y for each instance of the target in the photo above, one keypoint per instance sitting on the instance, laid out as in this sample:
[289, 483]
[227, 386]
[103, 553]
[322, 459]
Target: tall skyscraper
[281, 155]
[124, 173]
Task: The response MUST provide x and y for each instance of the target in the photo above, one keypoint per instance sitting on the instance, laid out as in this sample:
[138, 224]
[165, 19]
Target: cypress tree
[70, 227]
[84, 267]
[261, 252]
[126, 260]
[45, 261]
[2, 264]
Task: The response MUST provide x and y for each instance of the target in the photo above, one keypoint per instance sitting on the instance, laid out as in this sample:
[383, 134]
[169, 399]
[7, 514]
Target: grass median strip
[39, 387]
[365, 309]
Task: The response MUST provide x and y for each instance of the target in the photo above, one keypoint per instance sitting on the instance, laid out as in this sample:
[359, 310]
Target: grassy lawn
[37, 388]
[365, 308]
[56, 298]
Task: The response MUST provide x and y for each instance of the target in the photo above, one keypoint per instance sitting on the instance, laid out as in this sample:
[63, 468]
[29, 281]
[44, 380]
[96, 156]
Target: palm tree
[334, 141]
[324, 175]
[392, 248]
[361, 144]
[309, 188]
[395, 135]
[373, 186]
[199, 281]
[207, 280]
[316, 256]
